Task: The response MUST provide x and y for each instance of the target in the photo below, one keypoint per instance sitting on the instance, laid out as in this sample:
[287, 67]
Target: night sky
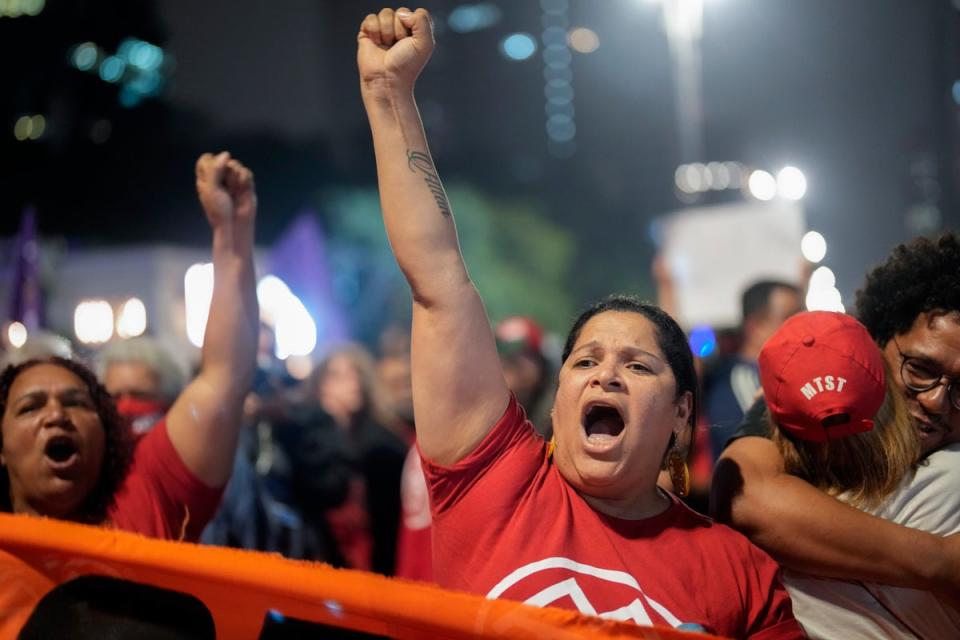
[856, 93]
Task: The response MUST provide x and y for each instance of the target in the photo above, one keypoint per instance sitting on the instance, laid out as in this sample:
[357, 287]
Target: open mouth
[601, 422]
[60, 450]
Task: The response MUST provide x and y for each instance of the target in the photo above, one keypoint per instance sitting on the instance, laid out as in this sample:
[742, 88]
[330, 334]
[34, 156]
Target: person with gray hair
[143, 377]
[40, 344]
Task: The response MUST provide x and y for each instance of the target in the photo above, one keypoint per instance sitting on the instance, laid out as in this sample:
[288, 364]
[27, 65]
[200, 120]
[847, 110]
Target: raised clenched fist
[226, 189]
[393, 47]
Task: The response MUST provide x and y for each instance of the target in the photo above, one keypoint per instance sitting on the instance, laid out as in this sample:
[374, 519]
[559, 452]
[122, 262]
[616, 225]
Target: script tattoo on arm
[419, 162]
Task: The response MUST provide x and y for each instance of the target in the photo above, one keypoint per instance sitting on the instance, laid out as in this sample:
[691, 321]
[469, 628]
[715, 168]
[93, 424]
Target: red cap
[822, 376]
[519, 333]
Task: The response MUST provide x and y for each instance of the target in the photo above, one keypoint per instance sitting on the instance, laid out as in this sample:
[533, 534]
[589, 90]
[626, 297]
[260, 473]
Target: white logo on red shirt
[637, 605]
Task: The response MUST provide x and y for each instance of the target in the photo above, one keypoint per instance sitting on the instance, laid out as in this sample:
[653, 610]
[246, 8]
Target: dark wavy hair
[118, 443]
[920, 276]
[670, 338]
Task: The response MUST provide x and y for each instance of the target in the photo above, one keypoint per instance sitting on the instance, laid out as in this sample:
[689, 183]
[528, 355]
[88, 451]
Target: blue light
[126, 47]
[112, 68]
[518, 46]
[656, 232]
[554, 7]
[703, 340]
[84, 56]
[473, 17]
[956, 91]
[558, 91]
[140, 54]
[560, 108]
[561, 128]
[558, 74]
[554, 35]
[146, 56]
[557, 56]
[334, 607]
[130, 97]
[147, 84]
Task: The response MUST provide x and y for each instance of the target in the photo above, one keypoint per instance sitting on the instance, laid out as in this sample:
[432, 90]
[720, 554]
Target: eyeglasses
[918, 377]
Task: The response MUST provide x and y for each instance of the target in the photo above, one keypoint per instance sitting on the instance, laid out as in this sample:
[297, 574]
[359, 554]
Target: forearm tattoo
[420, 162]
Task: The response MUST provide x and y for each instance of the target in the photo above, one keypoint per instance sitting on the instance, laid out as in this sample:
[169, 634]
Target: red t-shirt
[507, 525]
[160, 497]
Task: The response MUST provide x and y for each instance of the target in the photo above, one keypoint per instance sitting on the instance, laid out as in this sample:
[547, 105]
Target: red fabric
[506, 524]
[160, 497]
[350, 525]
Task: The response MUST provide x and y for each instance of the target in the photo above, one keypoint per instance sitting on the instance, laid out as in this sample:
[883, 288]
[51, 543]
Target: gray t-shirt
[929, 500]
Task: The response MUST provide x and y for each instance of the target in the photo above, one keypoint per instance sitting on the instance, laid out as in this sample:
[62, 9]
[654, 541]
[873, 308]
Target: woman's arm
[807, 530]
[204, 422]
[458, 386]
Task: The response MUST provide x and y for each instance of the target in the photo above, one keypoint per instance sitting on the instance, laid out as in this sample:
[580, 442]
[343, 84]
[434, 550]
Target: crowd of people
[465, 456]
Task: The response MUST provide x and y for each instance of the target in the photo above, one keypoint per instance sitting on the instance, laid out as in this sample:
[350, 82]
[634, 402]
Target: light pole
[683, 23]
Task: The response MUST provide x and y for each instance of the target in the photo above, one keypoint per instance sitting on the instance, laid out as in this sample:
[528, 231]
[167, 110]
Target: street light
[762, 185]
[791, 183]
[683, 23]
[813, 246]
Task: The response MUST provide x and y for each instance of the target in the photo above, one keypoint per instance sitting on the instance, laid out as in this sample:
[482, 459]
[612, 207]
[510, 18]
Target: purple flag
[300, 259]
[26, 299]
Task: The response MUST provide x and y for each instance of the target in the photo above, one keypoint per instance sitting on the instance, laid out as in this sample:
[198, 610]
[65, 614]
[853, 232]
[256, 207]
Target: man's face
[783, 303]
[932, 343]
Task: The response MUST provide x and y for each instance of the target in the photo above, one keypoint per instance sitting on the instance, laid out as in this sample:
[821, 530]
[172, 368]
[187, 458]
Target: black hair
[920, 276]
[118, 449]
[756, 298]
[670, 338]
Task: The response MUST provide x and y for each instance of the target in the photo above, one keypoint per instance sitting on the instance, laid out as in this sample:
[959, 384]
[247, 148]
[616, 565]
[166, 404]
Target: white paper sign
[714, 253]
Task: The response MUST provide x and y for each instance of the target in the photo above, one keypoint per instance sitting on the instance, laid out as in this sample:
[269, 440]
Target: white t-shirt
[930, 501]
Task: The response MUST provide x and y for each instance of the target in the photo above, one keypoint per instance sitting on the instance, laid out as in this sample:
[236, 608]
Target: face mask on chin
[142, 414]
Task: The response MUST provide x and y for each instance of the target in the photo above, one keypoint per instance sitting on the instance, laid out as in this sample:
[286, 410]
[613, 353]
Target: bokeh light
[16, 334]
[791, 183]
[813, 246]
[132, 319]
[93, 321]
[762, 185]
[583, 40]
[112, 68]
[197, 293]
[822, 278]
[518, 46]
[294, 329]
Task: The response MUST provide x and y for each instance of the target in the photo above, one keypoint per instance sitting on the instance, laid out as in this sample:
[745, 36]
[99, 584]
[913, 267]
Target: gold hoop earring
[679, 473]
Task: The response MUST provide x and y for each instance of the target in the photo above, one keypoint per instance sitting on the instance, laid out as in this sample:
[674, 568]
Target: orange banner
[243, 594]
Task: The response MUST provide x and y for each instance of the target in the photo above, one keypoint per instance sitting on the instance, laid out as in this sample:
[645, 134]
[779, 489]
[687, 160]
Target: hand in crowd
[393, 47]
[226, 190]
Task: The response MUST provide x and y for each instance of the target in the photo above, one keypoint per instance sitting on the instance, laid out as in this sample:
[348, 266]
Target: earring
[551, 447]
[679, 473]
